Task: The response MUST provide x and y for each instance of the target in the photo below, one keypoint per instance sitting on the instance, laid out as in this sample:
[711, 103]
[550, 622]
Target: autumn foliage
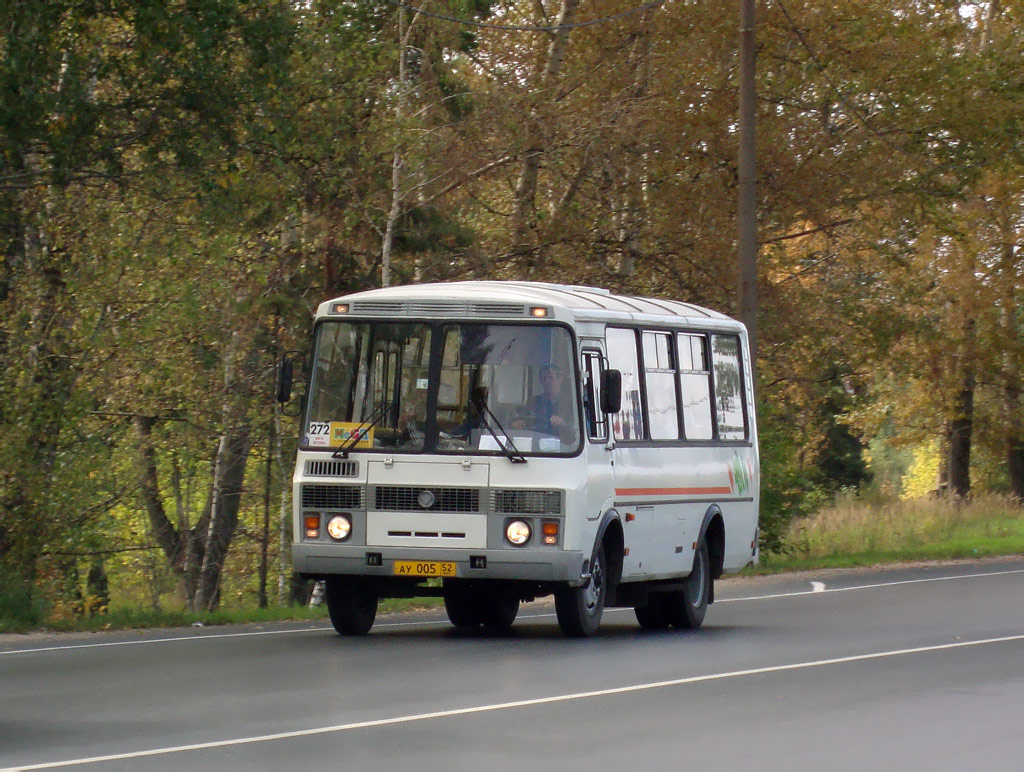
[181, 183]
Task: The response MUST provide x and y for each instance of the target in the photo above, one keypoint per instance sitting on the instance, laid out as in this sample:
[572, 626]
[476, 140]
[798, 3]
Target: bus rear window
[725, 358]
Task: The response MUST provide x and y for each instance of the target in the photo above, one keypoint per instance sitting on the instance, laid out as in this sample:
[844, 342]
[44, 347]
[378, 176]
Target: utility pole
[747, 209]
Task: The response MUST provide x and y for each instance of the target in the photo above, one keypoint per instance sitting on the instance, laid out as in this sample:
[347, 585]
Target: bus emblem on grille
[426, 499]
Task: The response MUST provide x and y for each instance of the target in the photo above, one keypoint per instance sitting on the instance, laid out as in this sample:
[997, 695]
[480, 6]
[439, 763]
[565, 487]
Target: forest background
[182, 182]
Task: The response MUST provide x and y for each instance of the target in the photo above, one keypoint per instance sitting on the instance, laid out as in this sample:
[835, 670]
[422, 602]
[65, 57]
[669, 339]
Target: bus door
[631, 459]
[596, 428]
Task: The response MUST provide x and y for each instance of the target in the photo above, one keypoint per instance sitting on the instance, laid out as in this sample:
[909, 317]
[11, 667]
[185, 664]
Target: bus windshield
[443, 388]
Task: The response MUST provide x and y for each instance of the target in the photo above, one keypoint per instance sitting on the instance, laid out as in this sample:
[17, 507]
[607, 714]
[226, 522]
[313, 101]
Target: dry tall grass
[853, 526]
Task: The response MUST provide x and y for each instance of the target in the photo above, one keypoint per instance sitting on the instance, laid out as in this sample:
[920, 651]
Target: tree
[96, 99]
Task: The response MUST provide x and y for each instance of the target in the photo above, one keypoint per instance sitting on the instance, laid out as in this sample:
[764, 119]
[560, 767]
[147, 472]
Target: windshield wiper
[375, 418]
[510, 450]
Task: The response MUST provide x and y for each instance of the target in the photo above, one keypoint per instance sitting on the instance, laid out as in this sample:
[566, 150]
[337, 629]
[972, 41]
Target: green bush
[787, 490]
[19, 610]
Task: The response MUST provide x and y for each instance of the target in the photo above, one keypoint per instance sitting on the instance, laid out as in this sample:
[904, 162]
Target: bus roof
[511, 299]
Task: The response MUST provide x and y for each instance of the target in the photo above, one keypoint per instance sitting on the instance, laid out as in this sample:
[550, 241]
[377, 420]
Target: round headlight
[518, 532]
[339, 527]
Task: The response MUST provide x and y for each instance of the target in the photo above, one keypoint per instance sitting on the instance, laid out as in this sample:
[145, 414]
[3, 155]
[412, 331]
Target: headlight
[339, 527]
[517, 532]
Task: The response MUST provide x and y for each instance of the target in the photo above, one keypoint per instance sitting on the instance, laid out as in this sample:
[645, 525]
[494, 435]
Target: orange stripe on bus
[670, 491]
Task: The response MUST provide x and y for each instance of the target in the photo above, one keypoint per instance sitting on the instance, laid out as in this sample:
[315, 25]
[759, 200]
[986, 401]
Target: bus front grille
[505, 310]
[332, 497]
[382, 308]
[332, 468]
[440, 308]
[526, 502]
[395, 498]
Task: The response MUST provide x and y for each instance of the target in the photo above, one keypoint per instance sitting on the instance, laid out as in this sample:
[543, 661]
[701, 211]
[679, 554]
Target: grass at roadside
[855, 533]
[849, 534]
[139, 618]
[135, 618]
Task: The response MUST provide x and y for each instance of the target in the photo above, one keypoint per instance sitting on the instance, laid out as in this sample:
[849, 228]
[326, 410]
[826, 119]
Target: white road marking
[210, 637]
[573, 696]
[871, 586]
[817, 587]
[426, 623]
[161, 640]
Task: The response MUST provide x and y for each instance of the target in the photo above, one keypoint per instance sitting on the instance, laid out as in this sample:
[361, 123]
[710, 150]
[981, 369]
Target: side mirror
[611, 391]
[285, 371]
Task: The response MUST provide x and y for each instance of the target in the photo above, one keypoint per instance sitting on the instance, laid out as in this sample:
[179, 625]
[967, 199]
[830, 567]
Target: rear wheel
[686, 608]
[654, 615]
[579, 609]
[351, 603]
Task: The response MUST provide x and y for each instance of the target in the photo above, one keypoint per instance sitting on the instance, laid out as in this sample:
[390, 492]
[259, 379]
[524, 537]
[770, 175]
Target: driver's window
[597, 425]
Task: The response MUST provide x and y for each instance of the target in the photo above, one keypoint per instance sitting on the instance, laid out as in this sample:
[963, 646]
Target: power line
[518, 28]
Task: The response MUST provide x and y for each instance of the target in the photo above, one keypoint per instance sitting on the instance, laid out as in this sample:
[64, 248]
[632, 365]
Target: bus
[494, 442]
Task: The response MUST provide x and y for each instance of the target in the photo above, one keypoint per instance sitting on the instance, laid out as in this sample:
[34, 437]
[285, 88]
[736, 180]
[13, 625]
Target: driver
[547, 408]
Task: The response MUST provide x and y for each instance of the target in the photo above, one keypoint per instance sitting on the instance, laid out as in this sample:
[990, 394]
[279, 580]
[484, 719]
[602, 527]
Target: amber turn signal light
[550, 531]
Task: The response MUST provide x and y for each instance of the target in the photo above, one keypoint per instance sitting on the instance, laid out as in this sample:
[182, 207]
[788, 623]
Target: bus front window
[507, 382]
[490, 385]
[367, 373]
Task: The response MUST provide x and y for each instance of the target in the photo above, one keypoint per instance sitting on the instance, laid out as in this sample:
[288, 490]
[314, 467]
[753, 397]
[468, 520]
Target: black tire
[352, 605]
[462, 607]
[685, 608]
[498, 612]
[653, 616]
[579, 609]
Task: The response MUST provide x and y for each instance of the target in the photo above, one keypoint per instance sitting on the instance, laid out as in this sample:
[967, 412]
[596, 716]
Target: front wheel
[686, 608]
[462, 606]
[499, 612]
[579, 609]
[352, 605]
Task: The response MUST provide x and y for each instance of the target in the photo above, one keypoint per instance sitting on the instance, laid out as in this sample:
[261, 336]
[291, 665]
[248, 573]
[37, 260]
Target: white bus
[495, 442]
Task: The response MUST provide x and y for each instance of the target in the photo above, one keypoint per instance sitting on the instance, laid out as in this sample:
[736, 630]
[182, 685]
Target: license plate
[423, 568]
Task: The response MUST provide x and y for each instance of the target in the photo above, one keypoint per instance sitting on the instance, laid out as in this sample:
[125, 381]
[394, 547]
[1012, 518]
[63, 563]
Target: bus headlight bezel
[518, 532]
[339, 527]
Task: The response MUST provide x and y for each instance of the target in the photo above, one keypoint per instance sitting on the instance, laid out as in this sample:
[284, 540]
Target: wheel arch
[611, 535]
[712, 530]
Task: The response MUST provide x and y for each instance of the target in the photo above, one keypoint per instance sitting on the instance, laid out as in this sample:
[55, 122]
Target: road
[910, 668]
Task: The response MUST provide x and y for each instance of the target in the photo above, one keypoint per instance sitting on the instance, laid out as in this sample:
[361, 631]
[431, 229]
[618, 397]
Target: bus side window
[725, 357]
[695, 387]
[660, 380]
[628, 423]
[597, 425]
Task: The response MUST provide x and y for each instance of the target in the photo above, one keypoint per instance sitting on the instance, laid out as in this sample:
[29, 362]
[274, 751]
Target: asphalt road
[908, 668]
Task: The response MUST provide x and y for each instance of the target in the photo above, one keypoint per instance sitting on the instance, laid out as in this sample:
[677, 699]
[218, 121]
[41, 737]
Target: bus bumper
[536, 565]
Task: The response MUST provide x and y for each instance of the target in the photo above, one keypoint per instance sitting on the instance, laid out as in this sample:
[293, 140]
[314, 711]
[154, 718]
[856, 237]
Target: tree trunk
[746, 214]
[633, 200]
[395, 211]
[37, 355]
[184, 547]
[392, 222]
[1008, 207]
[284, 565]
[261, 590]
[526, 184]
[1015, 462]
[960, 430]
[149, 489]
[229, 474]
